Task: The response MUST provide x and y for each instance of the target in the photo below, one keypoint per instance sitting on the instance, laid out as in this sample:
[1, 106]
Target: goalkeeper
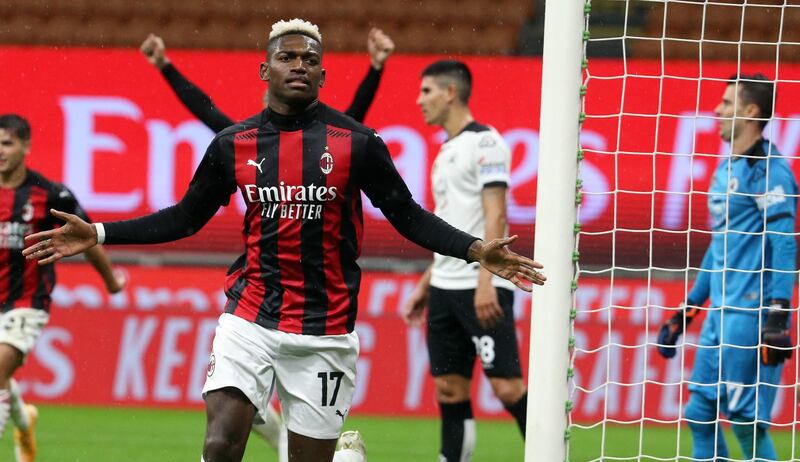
[748, 272]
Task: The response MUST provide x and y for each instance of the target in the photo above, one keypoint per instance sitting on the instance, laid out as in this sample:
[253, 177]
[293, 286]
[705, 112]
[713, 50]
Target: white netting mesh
[651, 144]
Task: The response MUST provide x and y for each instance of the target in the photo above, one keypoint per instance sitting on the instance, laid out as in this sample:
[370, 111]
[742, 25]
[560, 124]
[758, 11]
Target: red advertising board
[106, 124]
[149, 346]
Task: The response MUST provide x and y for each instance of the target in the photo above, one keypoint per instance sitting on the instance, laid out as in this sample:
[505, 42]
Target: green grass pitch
[91, 434]
[94, 434]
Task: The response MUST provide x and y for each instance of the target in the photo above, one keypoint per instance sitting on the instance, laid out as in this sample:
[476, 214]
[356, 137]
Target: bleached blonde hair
[295, 26]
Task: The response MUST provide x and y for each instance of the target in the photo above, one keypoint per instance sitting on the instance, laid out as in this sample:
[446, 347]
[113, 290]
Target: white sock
[19, 415]
[283, 444]
[348, 455]
[470, 437]
[270, 430]
[274, 433]
[5, 409]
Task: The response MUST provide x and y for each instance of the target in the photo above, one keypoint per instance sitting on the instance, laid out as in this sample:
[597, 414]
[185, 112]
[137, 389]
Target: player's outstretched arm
[496, 257]
[74, 237]
[192, 97]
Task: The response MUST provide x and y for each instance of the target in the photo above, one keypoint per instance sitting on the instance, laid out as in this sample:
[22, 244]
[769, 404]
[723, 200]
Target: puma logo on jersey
[339, 413]
[252, 163]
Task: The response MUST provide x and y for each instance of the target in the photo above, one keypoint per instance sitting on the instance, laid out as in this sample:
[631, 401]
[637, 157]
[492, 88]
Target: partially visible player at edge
[291, 310]
[379, 46]
[25, 200]
[470, 311]
[753, 204]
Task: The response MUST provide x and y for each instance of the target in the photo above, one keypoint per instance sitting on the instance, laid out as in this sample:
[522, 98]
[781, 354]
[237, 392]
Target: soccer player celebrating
[26, 198]
[471, 310]
[379, 45]
[292, 303]
[748, 272]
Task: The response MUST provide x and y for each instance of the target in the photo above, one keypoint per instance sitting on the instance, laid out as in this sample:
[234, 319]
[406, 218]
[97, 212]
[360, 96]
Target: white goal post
[628, 149]
[555, 239]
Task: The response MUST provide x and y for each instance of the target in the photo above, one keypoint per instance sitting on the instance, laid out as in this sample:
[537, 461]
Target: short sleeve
[493, 159]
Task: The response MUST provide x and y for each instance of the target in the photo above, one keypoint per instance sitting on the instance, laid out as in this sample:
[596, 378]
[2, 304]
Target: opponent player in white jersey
[470, 311]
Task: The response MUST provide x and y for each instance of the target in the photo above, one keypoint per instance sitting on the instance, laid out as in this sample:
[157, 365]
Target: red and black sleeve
[386, 189]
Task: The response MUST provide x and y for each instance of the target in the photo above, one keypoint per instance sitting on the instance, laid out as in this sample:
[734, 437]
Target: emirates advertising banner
[149, 346]
[107, 124]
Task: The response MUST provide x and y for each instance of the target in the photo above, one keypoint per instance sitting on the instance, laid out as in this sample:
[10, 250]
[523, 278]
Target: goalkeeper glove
[671, 331]
[775, 335]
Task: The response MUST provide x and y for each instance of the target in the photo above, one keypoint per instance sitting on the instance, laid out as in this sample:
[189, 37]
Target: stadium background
[106, 123]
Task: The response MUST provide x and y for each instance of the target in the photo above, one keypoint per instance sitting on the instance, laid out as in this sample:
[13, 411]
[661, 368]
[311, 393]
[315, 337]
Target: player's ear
[752, 111]
[452, 92]
[263, 71]
[322, 78]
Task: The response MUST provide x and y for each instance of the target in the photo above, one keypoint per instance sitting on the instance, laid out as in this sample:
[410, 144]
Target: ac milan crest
[326, 162]
[27, 211]
[212, 363]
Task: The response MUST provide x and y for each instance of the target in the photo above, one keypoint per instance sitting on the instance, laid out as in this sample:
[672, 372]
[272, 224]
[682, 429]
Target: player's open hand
[74, 237]
[379, 47]
[497, 258]
[154, 50]
[414, 308]
[487, 306]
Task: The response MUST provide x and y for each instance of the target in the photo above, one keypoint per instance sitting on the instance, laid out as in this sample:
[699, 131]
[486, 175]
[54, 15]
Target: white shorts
[315, 375]
[21, 327]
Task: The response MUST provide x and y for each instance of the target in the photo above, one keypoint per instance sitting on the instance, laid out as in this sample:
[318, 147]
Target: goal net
[653, 74]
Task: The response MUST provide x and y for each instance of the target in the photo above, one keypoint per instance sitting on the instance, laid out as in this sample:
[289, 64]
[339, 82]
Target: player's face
[734, 114]
[433, 100]
[294, 71]
[12, 152]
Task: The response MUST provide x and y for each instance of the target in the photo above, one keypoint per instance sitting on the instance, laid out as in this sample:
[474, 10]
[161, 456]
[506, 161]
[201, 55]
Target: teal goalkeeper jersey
[751, 259]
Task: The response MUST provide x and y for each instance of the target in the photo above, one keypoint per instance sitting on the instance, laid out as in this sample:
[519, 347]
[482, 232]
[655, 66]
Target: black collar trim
[755, 152]
[293, 122]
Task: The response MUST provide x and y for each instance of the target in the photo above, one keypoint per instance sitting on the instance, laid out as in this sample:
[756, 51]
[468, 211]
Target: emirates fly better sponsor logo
[291, 201]
[12, 234]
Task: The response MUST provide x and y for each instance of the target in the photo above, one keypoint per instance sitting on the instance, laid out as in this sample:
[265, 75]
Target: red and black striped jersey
[301, 178]
[25, 210]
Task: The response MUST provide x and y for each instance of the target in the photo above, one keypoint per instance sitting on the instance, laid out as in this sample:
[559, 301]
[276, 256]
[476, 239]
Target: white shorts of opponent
[314, 375]
[21, 327]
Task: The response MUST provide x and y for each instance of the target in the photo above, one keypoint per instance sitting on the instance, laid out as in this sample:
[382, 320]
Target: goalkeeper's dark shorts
[455, 338]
